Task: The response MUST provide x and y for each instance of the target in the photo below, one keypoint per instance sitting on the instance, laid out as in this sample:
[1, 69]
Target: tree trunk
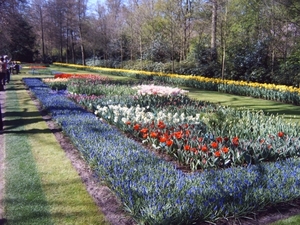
[42, 31]
[82, 47]
[223, 41]
[82, 54]
[214, 18]
[72, 47]
[61, 44]
[67, 47]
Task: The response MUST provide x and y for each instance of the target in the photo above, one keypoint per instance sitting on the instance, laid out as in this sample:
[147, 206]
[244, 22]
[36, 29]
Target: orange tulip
[169, 143]
[144, 130]
[178, 134]
[187, 147]
[235, 141]
[214, 145]
[194, 150]
[153, 134]
[280, 134]
[225, 149]
[136, 127]
[204, 148]
[217, 153]
[161, 125]
[162, 139]
[219, 139]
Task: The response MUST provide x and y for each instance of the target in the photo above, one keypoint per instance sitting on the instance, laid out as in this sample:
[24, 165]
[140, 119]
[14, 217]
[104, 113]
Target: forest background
[251, 40]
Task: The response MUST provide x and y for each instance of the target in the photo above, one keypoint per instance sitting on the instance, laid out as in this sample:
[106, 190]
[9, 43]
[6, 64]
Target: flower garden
[137, 137]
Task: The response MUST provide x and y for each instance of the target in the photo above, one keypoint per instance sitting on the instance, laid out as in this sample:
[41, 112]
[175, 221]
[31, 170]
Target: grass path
[41, 187]
[288, 111]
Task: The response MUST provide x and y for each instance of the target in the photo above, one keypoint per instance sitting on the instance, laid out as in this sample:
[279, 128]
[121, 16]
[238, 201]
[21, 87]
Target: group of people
[6, 69]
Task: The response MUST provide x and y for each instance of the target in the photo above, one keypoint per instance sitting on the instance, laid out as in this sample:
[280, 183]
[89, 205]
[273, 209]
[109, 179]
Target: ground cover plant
[153, 190]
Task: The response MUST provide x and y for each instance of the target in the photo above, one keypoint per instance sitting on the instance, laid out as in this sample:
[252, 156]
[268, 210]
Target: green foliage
[23, 41]
[249, 62]
[96, 87]
[58, 85]
[289, 73]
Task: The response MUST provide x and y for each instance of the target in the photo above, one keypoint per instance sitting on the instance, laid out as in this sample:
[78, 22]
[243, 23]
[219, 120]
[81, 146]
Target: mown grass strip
[288, 111]
[64, 196]
[294, 220]
[25, 202]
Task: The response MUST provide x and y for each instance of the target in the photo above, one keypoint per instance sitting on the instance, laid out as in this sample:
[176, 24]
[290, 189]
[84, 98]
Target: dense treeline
[253, 40]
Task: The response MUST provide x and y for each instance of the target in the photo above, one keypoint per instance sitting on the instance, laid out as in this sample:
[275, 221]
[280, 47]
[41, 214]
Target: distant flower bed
[69, 76]
[51, 80]
[280, 93]
[152, 190]
[37, 67]
[61, 80]
[34, 67]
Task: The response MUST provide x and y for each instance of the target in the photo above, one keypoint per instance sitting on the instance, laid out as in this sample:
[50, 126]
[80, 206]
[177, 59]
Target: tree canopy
[252, 40]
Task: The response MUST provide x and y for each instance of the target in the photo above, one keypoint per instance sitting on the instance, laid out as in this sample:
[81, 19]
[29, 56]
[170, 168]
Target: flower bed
[73, 75]
[196, 134]
[152, 190]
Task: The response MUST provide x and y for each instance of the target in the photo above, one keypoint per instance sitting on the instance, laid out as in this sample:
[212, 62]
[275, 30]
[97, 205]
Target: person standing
[1, 122]
[7, 65]
[17, 67]
[2, 73]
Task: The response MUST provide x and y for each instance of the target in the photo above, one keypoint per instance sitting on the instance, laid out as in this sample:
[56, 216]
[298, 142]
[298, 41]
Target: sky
[94, 2]
[91, 4]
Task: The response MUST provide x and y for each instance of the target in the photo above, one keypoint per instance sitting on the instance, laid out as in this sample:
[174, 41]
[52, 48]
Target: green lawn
[294, 220]
[269, 107]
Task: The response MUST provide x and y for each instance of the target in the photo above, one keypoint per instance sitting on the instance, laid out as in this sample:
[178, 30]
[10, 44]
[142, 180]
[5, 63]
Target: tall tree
[11, 10]
[214, 19]
[37, 16]
[81, 7]
[22, 43]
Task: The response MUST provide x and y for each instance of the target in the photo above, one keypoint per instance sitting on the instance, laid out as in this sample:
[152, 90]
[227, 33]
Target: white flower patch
[123, 114]
[159, 90]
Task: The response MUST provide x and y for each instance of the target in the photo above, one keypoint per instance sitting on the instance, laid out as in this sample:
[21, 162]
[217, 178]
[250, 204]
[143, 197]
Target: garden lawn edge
[62, 194]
